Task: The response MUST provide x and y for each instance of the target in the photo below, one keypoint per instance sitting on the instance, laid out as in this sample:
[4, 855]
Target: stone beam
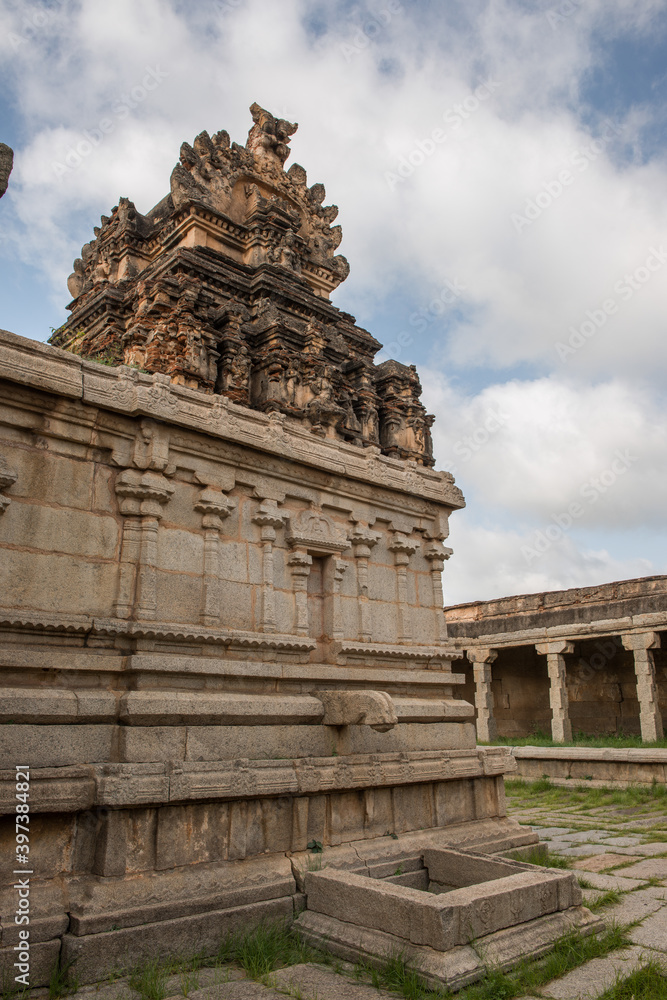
[482, 659]
[642, 644]
[561, 727]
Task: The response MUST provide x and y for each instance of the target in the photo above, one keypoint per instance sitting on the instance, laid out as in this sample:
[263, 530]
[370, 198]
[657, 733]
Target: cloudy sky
[501, 172]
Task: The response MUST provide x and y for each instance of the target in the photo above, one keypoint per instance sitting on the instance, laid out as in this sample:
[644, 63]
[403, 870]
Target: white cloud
[528, 288]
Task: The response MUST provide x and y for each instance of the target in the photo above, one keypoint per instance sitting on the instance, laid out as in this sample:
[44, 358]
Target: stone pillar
[561, 727]
[338, 567]
[403, 547]
[214, 507]
[269, 518]
[481, 659]
[362, 540]
[650, 717]
[437, 554]
[142, 496]
[301, 561]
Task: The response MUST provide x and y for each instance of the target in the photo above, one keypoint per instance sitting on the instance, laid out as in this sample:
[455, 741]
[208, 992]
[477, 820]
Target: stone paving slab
[581, 851]
[652, 933]
[649, 868]
[586, 836]
[607, 882]
[596, 976]
[634, 906]
[598, 862]
[622, 842]
[314, 982]
[245, 989]
[648, 850]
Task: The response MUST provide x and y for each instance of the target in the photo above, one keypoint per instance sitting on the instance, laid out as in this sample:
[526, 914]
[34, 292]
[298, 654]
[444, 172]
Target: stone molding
[315, 532]
[386, 651]
[127, 391]
[69, 789]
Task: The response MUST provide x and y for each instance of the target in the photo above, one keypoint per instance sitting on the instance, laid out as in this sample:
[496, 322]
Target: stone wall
[221, 640]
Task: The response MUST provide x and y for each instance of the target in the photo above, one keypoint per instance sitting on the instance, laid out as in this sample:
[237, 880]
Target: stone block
[96, 955]
[192, 834]
[100, 905]
[56, 746]
[55, 836]
[146, 744]
[454, 801]
[414, 807]
[455, 868]
[181, 707]
[72, 532]
[46, 476]
[346, 817]
[180, 551]
[258, 742]
[43, 959]
[57, 583]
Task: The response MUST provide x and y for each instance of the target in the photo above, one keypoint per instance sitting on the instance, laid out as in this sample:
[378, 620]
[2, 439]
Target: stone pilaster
[482, 659]
[403, 547]
[561, 727]
[269, 518]
[362, 540]
[7, 478]
[214, 507]
[338, 571]
[142, 496]
[300, 562]
[437, 554]
[650, 717]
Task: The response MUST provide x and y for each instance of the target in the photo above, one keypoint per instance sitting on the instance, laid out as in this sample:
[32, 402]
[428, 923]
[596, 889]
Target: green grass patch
[648, 983]
[568, 953]
[266, 948]
[608, 898]
[542, 793]
[149, 979]
[620, 741]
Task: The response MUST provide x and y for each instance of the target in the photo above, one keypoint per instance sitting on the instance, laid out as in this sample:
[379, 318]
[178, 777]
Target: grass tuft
[150, 979]
[62, 980]
[568, 953]
[265, 948]
[648, 983]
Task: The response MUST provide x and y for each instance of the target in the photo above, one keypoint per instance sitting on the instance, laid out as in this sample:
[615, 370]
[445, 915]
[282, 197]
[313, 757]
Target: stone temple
[223, 652]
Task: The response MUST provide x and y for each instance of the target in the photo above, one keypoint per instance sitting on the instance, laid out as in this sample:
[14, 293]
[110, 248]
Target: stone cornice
[133, 393]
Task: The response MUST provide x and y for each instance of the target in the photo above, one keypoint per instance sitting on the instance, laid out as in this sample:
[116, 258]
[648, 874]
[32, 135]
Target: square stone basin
[470, 896]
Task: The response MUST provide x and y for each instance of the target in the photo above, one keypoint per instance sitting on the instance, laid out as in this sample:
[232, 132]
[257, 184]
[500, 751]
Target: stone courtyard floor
[615, 841]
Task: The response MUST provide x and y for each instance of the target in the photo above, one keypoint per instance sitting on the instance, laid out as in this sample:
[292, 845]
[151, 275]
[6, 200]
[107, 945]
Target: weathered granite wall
[221, 634]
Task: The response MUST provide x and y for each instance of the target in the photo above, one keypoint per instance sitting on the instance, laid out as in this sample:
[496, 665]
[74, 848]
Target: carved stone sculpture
[224, 286]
